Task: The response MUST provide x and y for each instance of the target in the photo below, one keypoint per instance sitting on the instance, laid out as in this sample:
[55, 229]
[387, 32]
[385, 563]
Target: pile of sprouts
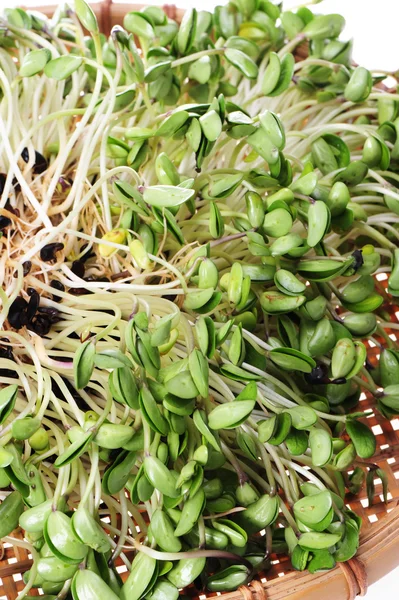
[196, 222]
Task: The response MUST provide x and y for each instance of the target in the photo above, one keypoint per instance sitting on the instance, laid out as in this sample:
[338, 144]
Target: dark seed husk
[26, 267]
[17, 315]
[52, 313]
[3, 178]
[57, 285]
[40, 164]
[318, 375]
[358, 262]
[33, 303]
[4, 222]
[40, 325]
[48, 252]
[6, 353]
[78, 268]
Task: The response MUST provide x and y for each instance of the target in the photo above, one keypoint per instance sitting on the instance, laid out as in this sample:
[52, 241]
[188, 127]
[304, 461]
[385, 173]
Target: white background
[374, 26]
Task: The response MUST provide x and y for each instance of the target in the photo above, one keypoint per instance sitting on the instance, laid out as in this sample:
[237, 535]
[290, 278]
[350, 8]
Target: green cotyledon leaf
[89, 531]
[163, 531]
[83, 363]
[228, 579]
[90, 586]
[310, 510]
[141, 578]
[362, 437]
[60, 537]
[11, 509]
[230, 414]
[160, 476]
[62, 67]
[86, 15]
[191, 511]
[34, 62]
[242, 62]
[8, 396]
[166, 196]
[321, 446]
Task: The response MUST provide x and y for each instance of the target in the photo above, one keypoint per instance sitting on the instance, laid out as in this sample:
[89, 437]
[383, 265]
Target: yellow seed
[224, 282]
[251, 156]
[117, 236]
[39, 440]
[139, 254]
[164, 348]
[368, 249]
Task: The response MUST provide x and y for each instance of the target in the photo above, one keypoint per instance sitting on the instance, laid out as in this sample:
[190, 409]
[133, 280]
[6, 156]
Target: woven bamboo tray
[378, 553]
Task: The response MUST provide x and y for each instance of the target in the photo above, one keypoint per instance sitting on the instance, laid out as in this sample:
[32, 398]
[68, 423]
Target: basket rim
[378, 554]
